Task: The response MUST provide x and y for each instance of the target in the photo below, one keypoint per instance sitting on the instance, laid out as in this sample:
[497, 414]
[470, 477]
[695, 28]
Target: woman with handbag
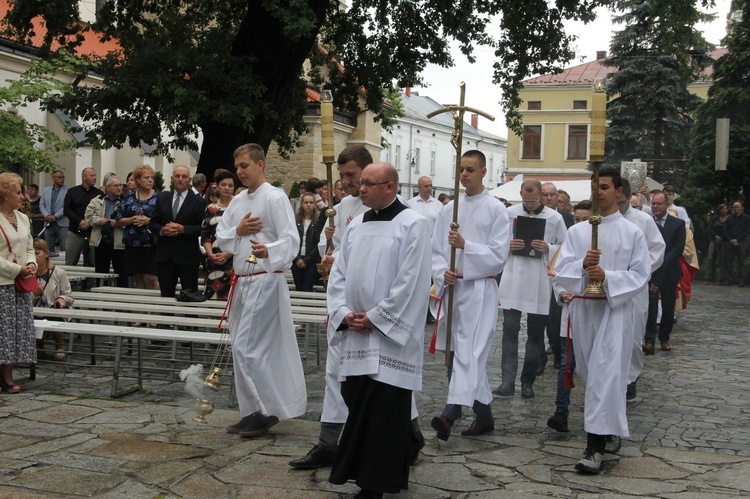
[17, 280]
[53, 291]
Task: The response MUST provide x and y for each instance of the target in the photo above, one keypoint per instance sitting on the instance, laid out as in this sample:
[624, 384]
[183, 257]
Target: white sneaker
[614, 443]
[591, 462]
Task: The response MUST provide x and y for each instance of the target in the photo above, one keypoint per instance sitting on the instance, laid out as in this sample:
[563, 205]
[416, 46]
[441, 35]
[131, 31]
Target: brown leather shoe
[665, 346]
[442, 426]
[648, 348]
[479, 428]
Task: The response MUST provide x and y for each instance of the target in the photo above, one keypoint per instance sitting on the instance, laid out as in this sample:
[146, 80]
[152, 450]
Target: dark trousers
[668, 295]
[553, 329]
[106, 254]
[562, 399]
[304, 279]
[732, 253]
[535, 324]
[168, 273]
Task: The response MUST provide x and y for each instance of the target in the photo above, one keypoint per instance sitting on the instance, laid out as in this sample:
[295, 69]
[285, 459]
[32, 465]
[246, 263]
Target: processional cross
[456, 141]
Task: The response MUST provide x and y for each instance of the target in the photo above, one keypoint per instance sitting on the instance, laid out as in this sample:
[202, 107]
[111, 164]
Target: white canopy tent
[578, 189]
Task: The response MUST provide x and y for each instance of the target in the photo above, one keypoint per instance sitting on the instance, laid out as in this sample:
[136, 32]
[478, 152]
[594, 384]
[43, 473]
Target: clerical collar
[384, 214]
[535, 212]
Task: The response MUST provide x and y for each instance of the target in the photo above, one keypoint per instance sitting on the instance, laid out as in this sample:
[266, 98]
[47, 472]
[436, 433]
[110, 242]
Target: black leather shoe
[527, 391]
[542, 366]
[631, 392]
[442, 426]
[479, 428]
[558, 422]
[318, 457]
[505, 390]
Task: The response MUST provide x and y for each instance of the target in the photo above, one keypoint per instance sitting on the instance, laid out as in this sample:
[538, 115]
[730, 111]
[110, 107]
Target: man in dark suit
[664, 280]
[177, 220]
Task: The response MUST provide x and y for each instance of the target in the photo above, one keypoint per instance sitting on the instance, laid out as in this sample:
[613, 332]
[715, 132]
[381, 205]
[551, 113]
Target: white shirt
[429, 209]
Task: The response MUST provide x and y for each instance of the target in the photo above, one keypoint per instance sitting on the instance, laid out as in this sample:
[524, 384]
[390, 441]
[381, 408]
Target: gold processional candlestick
[327, 140]
[456, 140]
[596, 147]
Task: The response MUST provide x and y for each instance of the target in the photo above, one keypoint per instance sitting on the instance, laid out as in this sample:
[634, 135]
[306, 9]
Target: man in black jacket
[664, 280]
[739, 233]
[177, 220]
[77, 200]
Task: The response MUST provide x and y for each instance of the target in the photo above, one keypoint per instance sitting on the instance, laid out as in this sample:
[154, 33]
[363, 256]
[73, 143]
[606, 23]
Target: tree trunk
[278, 60]
[219, 143]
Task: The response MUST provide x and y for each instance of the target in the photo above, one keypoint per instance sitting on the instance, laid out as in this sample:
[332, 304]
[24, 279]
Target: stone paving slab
[690, 433]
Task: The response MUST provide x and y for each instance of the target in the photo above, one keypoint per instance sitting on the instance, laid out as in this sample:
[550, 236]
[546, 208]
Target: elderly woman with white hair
[17, 343]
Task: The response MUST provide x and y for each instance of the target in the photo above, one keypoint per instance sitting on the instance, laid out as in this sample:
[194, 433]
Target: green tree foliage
[234, 70]
[656, 56]
[24, 144]
[728, 97]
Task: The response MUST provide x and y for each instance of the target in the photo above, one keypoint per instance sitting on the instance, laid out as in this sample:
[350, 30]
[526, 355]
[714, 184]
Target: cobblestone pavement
[690, 433]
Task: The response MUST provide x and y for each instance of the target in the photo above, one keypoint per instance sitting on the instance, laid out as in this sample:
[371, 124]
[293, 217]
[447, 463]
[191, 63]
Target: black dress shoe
[479, 428]
[505, 390]
[442, 426]
[318, 457]
[631, 392]
[527, 391]
[558, 422]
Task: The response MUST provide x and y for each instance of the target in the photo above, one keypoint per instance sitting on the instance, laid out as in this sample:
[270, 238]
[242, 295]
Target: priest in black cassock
[377, 301]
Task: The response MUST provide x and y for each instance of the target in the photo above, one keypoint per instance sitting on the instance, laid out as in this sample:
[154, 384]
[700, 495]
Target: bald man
[77, 200]
[425, 204]
[379, 322]
[177, 220]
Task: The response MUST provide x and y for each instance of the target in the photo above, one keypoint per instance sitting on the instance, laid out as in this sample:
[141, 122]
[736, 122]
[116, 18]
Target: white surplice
[267, 367]
[603, 328]
[525, 285]
[483, 223]
[334, 407]
[656, 247]
[383, 269]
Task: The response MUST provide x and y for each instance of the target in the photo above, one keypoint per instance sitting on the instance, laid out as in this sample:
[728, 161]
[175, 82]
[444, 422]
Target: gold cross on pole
[456, 141]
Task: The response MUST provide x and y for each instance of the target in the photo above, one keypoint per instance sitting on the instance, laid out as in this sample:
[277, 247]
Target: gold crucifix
[456, 141]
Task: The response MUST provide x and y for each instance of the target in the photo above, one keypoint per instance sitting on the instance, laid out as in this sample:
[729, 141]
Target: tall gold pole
[456, 141]
[327, 141]
[596, 155]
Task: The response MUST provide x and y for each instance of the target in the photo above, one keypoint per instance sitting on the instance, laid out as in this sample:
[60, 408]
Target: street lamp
[411, 157]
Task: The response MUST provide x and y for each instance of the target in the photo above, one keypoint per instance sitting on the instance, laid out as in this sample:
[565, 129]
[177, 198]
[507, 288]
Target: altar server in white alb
[603, 326]
[377, 301]
[351, 161]
[656, 248]
[481, 244]
[268, 372]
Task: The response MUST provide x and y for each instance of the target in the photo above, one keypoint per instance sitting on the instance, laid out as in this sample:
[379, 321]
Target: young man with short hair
[602, 325]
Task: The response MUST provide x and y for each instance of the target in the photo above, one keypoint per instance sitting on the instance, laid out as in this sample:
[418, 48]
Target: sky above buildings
[482, 94]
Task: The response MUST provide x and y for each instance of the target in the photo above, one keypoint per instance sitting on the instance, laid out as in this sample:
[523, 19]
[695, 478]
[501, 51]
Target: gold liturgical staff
[596, 156]
[456, 141]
